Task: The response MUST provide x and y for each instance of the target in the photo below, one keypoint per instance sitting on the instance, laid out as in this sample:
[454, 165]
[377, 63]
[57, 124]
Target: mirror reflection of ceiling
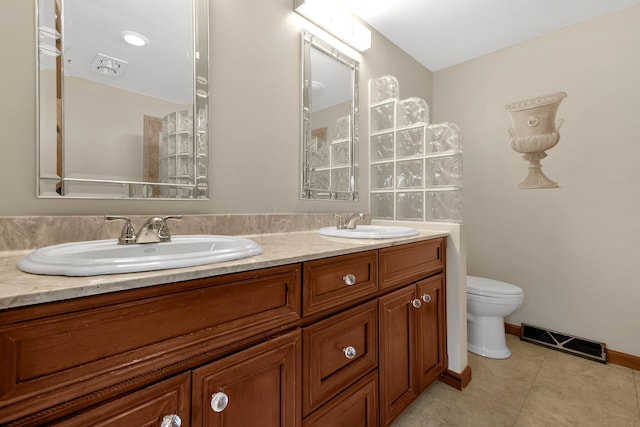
[443, 33]
[157, 69]
[331, 81]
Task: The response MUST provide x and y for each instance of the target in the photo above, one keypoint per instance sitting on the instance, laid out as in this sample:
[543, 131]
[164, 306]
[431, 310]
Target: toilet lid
[489, 287]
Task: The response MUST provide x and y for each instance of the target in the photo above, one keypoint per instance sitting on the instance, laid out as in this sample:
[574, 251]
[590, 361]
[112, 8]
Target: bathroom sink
[107, 257]
[370, 232]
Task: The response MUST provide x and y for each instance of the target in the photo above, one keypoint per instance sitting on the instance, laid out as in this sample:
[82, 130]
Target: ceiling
[443, 33]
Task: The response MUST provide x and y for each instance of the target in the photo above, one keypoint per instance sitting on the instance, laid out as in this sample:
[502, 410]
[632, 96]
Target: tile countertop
[19, 289]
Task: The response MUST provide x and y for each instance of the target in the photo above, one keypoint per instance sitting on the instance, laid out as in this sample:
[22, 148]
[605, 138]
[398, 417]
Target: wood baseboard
[613, 357]
[623, 359]
[512, 329]
[456, 380]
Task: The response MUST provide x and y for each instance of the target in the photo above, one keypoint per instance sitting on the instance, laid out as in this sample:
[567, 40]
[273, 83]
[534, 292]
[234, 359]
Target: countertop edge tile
[18, 289]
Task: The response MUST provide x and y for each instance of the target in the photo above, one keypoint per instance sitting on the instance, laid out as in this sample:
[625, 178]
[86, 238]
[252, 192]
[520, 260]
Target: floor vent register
[582, 347]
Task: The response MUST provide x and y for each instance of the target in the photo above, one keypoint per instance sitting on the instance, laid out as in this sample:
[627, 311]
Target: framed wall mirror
[329, 121]
[123, 99]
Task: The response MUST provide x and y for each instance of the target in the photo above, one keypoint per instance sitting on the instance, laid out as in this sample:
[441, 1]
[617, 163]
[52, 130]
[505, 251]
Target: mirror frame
[197, 188]
[310, 41]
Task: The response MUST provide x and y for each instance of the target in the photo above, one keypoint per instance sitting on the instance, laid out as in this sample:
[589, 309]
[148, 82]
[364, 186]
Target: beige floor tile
[494, 397]
[536, 387]
[570, 391]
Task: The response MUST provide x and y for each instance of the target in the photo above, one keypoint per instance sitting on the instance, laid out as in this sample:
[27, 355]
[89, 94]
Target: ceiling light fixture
[334, 19]
[134, 39]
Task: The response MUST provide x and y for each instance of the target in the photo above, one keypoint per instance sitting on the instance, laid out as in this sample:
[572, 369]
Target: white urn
[533, 132]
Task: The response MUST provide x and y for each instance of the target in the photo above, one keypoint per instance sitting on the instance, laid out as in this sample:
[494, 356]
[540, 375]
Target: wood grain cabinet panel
[105, 348]
[261, 384]
[355, 407]
[404, 264]
[142, 408]
[338, 351]
[432, 358]
[326, 286]
[412, 344]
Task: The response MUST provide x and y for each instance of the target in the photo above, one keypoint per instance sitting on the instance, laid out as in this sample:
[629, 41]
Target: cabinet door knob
[171, 421]
[219, 402]
[349, 352]
[349, 279]
[416, 303]
[426, 298]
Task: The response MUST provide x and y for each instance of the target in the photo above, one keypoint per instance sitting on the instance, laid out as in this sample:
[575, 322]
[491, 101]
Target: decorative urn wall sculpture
[534, 131]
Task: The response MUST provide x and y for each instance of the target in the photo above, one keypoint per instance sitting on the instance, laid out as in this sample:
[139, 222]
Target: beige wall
[574, 250]
[255, 130]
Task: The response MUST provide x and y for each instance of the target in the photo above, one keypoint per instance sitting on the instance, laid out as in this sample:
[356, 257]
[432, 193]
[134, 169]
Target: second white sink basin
[370, 232]
[107, 257]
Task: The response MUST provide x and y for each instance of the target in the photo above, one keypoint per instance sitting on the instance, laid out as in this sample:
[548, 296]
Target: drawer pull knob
[416, 303]
[349, 279]
[349, 352]
[219, 402]
[171, 421]
[426, 298]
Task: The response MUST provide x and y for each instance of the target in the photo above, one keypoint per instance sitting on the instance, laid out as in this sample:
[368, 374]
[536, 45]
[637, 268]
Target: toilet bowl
[488, 302]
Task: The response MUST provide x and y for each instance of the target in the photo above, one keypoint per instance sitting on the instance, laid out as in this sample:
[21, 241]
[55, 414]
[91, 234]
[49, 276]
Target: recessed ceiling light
[134, 39]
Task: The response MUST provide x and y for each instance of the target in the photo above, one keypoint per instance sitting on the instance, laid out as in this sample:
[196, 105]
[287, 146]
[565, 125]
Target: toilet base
[486, 337]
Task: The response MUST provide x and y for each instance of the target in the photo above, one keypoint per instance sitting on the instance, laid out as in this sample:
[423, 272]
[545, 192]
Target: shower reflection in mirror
[329, 121]
[123, 118]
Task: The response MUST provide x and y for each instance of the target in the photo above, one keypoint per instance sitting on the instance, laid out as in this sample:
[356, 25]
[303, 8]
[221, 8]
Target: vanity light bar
[331, 17]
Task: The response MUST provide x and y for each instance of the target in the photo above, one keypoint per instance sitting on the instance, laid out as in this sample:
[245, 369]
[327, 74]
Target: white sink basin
[370, 232]
[107, 257]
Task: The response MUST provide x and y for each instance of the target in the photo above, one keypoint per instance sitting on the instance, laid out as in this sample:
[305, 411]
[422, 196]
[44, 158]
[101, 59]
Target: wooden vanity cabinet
[331, 342]
[412, 343]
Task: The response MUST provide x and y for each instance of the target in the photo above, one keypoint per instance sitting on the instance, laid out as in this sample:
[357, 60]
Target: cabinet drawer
[338, 351]
[326, 281]
[355, 407]
[401, 265]
[118, 342]
[143, 408]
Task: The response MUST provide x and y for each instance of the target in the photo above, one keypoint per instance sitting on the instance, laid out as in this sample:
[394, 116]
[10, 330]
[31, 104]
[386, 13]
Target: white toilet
[488, 302]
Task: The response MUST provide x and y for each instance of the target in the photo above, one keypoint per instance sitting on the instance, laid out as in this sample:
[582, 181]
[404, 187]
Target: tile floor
[535, 387]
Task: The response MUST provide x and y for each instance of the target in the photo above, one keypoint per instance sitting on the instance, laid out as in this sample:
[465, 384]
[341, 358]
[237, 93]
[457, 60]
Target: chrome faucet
[350, 223]
[154, 230]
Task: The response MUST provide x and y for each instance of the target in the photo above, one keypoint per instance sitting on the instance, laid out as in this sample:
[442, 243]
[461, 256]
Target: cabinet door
[397, 339]
[259, 386]
[431, 331]
[144, 408]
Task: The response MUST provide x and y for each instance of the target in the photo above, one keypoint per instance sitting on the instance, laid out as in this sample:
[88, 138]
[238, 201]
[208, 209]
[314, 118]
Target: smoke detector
[108, 65]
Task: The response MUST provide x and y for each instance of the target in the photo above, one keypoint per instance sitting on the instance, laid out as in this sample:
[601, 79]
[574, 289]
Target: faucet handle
[339, 222]
[128, 233]
[163, 233]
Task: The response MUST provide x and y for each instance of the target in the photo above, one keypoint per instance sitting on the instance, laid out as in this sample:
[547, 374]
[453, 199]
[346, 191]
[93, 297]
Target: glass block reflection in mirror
[409, 206]
[340, 153]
